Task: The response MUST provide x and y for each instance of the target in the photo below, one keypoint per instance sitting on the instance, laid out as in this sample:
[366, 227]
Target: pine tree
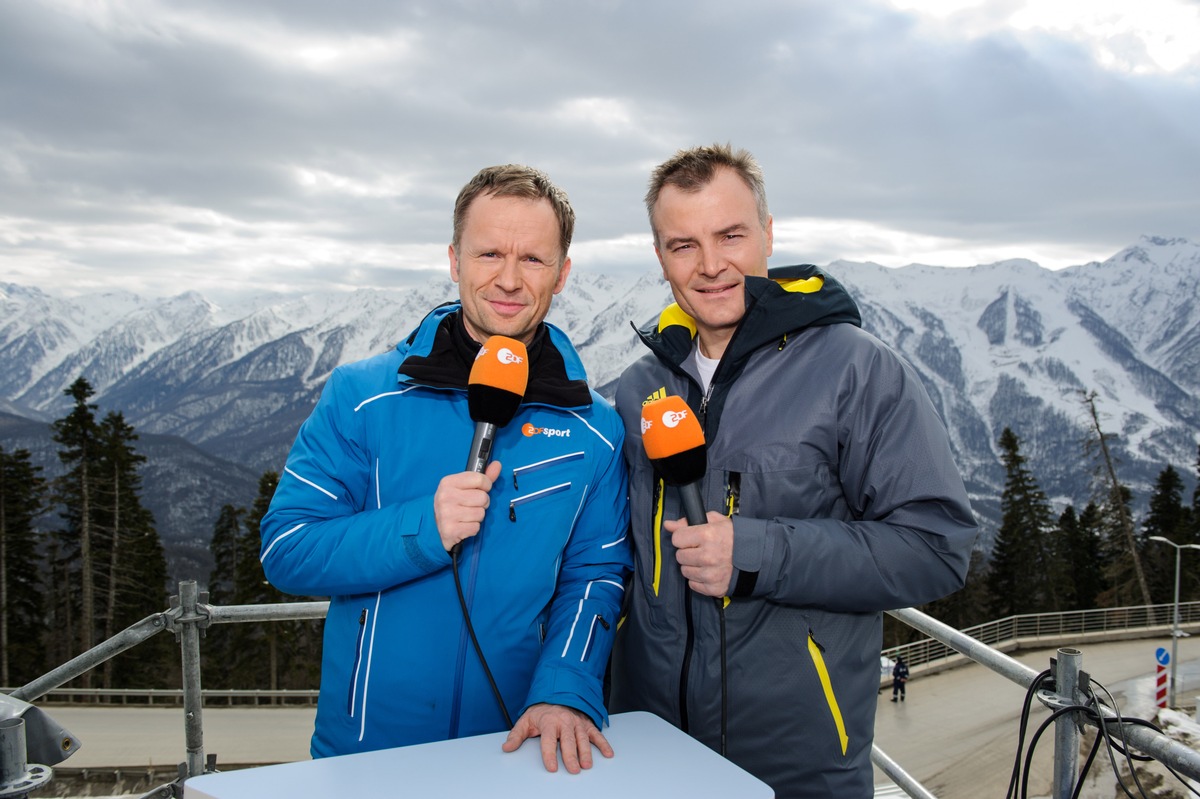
[228, 548]
[21, 493]
[1124, 576]
[73, 601]
[1080, 540]
[135, 578]
[1026, 570]
[108, 547]
[1169, 519]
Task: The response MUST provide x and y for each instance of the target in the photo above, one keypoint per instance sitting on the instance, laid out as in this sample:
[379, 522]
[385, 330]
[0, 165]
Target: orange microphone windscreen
[669, 427]
[501, 363]
[498, 380]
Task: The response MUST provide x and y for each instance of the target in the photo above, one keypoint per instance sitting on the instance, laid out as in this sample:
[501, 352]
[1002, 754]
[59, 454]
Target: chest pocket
[798, 490]
[549, 463]
[536, 485]
[534, 496]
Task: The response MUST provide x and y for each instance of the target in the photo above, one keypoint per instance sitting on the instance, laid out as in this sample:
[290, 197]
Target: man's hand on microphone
[460, 502]
[704, 553]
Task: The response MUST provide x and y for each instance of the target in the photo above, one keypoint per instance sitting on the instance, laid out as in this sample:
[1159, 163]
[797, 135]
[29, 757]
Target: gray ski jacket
[826, 451]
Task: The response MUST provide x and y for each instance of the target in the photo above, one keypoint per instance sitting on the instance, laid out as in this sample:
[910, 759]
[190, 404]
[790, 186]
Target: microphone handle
[481, 447]
[693, 508]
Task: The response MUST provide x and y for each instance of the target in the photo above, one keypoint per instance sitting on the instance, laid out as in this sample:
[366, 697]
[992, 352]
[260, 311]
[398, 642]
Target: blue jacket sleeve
[322, 536]
[591, 583]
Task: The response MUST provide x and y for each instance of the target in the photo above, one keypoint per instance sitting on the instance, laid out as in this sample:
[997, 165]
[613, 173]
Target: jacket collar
[440, 353]
[790, 299]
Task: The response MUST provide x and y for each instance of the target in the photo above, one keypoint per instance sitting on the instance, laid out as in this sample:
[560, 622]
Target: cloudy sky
[250, 145]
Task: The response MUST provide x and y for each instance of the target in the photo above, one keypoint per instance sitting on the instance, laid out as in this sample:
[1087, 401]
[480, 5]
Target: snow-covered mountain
[1005, 344]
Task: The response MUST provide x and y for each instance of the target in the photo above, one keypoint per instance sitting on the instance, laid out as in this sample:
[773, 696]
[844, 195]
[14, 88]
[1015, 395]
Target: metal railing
[1066, 742]
[158, 697]
[1042, 629]
[189, 614]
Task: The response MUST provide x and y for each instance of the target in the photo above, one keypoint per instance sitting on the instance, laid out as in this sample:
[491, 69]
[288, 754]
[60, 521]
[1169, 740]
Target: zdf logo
[672, 418]
[529, 431]
[504, 355]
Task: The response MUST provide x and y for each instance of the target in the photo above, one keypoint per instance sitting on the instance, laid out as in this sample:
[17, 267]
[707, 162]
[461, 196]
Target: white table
[653, 759]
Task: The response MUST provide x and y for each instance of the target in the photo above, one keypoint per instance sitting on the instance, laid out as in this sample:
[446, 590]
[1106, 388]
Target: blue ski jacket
[353, 519]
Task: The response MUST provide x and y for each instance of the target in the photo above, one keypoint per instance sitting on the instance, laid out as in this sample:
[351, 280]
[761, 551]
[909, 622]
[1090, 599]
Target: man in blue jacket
[374, 497]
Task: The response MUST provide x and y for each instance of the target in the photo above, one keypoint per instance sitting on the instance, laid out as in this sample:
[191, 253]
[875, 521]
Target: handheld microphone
[674, 443]
[495, 389]
[494, 393]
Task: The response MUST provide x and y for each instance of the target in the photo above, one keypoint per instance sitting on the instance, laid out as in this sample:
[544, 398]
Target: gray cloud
[163, 146]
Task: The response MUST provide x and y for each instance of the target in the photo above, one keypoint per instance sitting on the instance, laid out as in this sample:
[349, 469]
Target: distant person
[374, 497]
[899, 678]
[831, 495]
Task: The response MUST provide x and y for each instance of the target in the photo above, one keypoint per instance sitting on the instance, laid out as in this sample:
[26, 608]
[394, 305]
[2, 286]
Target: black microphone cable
[495, 388]
[462, 603]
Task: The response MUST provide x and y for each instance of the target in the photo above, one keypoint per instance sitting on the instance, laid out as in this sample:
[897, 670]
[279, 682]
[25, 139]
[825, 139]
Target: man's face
[507, 266]
[708, 242]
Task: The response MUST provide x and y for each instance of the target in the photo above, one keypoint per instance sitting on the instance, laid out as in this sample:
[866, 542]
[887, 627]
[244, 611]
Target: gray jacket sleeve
[908, 529]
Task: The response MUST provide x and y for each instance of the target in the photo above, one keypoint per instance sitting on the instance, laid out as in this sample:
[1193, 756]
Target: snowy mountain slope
[1005, 344]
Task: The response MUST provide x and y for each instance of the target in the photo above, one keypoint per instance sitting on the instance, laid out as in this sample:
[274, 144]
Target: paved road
[956, 733]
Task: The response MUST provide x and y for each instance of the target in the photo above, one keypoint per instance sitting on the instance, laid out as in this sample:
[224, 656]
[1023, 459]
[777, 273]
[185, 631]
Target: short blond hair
[692, 169]
[516, 180]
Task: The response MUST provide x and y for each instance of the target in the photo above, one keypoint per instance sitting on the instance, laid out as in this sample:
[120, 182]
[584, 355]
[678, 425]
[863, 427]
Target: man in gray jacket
[830, 491]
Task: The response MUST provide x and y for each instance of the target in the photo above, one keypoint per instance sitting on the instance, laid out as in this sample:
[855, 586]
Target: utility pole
[1176, 633]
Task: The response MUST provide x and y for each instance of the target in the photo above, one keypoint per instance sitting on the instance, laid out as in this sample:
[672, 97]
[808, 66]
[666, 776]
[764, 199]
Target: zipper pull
[733, 491]
[362, 617]
[603, 623]
[813, 638]
[512, 512]
[703, 412]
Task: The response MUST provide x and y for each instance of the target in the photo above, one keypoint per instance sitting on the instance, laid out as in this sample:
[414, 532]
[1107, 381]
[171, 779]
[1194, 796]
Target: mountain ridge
[1002, 344]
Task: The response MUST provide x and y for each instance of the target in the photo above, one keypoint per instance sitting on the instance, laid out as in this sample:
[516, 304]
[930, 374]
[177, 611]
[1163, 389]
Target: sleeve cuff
[562, 687]
[423, 546]
[750, 545]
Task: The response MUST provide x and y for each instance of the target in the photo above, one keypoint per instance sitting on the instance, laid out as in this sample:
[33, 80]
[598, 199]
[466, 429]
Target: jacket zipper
[587, 648]
[690, 642]
[533, 467]
[815, 651]
[358, 645]
[687, 658]
[733, 494]
[657, 515]
[545, 492]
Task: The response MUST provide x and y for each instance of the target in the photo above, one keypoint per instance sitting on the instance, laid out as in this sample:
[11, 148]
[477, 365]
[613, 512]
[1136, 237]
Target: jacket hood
[439, 353]
[788, 300]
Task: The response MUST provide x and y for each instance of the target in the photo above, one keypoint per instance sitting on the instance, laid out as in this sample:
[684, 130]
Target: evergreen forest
[100, 566]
